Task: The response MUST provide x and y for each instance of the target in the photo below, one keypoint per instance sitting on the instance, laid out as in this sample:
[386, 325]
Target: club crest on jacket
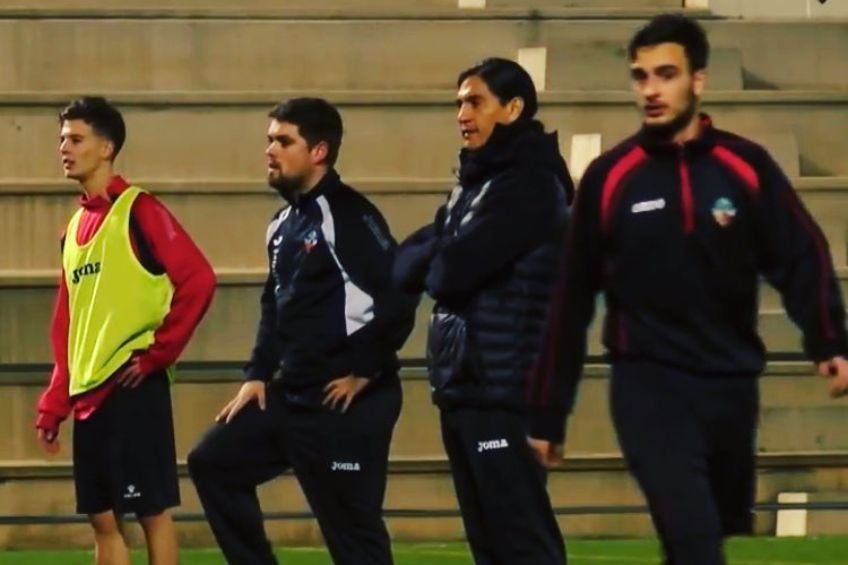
[724, 212]
[310, 241]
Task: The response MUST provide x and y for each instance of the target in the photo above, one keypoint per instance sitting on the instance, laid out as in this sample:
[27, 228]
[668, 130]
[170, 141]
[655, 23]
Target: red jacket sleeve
[55, 404]
[189, 272]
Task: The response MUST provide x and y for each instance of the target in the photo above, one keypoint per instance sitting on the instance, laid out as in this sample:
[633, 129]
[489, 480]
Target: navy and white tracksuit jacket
[328, 308]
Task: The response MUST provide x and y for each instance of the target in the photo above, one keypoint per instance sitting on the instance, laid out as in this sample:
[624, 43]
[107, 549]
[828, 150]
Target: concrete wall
[211, 55]
[774, 8]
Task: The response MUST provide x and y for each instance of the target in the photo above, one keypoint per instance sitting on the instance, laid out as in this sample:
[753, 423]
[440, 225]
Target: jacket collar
[115, 188]
[705, 141]
[328, 183]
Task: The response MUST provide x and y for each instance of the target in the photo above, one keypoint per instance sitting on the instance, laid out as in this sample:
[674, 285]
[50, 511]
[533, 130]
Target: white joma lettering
[344, 466]
[491, 444]
[648, 206]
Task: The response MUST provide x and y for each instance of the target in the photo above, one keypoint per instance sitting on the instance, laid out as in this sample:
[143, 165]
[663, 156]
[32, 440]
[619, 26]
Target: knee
[157, 521]
[106, 527]
[197, 462]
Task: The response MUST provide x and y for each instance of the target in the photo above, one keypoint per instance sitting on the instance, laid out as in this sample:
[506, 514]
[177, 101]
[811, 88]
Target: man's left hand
[837, 371]
[132, 375]
[547, 453]
[344, 390]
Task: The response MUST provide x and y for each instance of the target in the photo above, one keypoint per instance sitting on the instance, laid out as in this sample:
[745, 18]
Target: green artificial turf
[747, 551]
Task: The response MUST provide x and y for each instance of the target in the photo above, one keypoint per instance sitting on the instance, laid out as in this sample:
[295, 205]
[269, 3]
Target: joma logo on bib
[85, 270]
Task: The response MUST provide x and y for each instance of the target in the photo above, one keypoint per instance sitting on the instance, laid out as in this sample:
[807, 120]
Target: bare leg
[161, 537]
[110, 548]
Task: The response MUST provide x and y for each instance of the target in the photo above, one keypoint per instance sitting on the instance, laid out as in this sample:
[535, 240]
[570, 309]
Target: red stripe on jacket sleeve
[739, 167]
[823, 260]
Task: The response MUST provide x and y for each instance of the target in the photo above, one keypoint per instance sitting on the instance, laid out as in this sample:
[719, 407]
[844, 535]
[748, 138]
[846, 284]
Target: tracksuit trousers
[340, 461]
[690, 442]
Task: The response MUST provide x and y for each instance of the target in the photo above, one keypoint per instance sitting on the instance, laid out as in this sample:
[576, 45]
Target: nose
[649, 88]
[463, 115]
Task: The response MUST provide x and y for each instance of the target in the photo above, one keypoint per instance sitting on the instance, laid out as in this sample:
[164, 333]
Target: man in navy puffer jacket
[489, 261]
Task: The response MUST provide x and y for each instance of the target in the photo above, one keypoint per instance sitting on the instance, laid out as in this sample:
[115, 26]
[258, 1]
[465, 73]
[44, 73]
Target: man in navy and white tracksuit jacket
[331, 322]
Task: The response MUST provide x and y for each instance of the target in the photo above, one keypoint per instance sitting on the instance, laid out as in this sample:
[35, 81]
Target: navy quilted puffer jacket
[489, 260]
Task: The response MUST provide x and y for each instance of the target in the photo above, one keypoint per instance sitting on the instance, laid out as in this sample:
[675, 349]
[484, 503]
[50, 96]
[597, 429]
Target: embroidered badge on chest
[310, 241]
[724, 211]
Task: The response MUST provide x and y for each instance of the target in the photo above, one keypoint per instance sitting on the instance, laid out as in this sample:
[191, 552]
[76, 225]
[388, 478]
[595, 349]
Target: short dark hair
[316, 119]
[507, 80]
[674, 28]
[103, 117]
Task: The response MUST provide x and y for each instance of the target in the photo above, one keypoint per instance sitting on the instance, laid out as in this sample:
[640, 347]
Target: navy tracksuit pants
[690, 442]
[500, 488]
[339, 459]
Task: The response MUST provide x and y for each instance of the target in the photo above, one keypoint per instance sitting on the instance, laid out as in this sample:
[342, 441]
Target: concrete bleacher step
[212, 54]
[811, 66]
[592, 496]
[395, 134]
[658, 4]
[229, 328]
[783, 147]
[426, 497]
[104, 7]
[604, 66]
[827, 523]
[228, 220]
[797, 414]
[228, 224]
[269, 8]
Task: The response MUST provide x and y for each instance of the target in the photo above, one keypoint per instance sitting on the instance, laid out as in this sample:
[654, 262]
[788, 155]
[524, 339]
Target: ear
[319, 153]
[699, 82]
[514, 108]
[107, 150]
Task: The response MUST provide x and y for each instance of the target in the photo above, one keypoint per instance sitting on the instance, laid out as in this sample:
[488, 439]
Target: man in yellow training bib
[134, 286]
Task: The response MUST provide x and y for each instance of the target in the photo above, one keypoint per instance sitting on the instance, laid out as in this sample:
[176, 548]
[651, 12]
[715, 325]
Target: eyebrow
[468, 98]
[662, 70]
[666, 68]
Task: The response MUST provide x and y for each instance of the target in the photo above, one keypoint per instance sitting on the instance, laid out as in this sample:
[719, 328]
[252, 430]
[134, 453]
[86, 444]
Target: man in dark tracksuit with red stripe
[676, 225]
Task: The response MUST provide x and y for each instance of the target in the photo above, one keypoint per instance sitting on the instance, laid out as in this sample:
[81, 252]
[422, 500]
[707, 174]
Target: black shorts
[124, 454]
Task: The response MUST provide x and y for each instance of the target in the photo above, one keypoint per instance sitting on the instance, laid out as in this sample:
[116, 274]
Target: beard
[287, 187]
[666, 132]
